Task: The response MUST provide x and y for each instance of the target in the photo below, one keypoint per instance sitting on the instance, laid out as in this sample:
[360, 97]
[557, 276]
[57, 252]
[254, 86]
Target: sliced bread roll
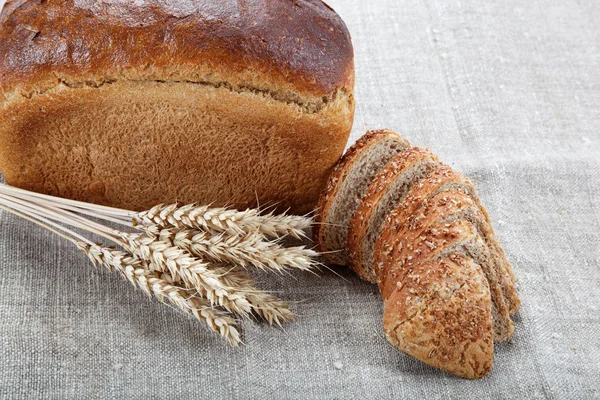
[432, 238]
[441, 316]
[388, 189]
[449, 206]
[346, 186]
[435, 182]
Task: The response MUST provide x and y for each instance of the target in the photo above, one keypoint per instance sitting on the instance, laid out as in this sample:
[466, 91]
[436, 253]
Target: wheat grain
[263, 304]
[223, 220]
[271, 309]
[161, 286]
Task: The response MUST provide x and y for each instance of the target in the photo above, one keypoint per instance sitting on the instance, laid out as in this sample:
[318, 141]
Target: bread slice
[441, 316]
[504, 268]
[437, 181]
[433, 239]
[388, 188]
[476, 214]
[346, 186]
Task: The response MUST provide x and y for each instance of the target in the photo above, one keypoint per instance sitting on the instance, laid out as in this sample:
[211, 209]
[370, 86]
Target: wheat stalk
[192, 257]
[153, 284]
[223, 220]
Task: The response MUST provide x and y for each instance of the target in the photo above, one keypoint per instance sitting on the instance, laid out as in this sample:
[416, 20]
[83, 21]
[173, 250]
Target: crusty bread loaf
[440, 314]
[388, 188]
[131, 104]
[346, 186]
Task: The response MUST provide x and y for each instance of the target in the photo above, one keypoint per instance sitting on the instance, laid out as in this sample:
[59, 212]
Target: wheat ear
[153, 283]
[223, 220]
[244, 250]
[163, 256]
[265, 305]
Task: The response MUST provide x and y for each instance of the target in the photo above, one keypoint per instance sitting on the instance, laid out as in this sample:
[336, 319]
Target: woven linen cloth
[507, 92]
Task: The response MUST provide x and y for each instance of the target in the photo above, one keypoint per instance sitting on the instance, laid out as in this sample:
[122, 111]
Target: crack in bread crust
[311, 106]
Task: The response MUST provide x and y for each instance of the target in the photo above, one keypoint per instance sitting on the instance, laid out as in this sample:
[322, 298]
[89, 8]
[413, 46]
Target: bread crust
[334, 184]
[421, 193]
[300, 47]
[437, 239]
[368, 205]
[441, 316]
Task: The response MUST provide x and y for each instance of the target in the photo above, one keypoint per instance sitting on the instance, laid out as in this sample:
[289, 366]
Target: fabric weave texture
[507, 92]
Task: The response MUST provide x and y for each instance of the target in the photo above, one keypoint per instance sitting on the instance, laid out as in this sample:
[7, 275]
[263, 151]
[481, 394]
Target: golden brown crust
[334, 183]
[130, 104]
[435, 240]
[368, 205]
[420, 232]
[302, 46]
[420, 194]
[441, 316]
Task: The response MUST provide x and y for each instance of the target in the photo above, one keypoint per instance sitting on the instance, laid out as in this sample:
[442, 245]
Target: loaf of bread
[131, 104]
[418, 229]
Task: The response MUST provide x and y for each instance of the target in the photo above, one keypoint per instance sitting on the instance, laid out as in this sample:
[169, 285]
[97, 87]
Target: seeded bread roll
[441, 316]
[130, 104]
[388, 188]
[422, 234]
[346, 186]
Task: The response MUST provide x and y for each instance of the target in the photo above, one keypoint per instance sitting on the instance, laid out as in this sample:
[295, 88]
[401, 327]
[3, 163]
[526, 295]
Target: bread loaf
[420, 231]
[131, 104]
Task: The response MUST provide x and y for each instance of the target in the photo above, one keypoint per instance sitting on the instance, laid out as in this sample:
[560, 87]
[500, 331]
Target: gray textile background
[507, 92]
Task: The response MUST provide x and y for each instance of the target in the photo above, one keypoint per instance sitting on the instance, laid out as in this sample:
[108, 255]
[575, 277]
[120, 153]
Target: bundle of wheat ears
[196, 258]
